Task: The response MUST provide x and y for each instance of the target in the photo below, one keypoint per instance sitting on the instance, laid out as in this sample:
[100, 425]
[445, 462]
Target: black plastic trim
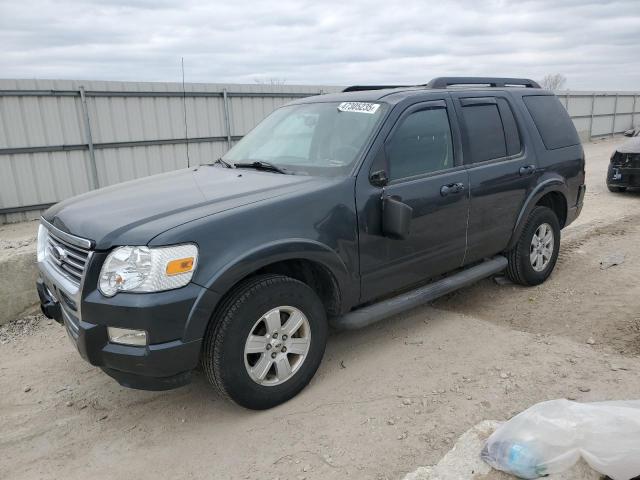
[444, 82]
[149, 383]
[365, 316]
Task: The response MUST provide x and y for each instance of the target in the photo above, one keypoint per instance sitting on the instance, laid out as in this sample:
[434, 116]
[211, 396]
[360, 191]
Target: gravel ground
[386, 399]
[27, 325]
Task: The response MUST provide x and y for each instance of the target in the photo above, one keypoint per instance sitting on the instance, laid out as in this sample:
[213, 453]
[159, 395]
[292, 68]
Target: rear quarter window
[552, 121]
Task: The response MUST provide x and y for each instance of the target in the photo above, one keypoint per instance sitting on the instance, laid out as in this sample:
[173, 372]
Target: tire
[616, 189]
[230, 361]
[522, 269]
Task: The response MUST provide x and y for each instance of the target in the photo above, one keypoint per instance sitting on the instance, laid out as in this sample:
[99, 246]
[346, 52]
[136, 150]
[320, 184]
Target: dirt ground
[386, 399]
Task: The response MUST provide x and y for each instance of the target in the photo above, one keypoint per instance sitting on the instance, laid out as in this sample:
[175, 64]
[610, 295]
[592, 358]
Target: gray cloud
[592, 42]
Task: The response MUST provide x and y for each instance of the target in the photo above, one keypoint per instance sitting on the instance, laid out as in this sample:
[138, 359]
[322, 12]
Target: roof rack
[444, 82]
[362, 88]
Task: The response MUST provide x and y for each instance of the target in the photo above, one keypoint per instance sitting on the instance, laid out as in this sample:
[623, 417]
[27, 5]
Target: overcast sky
[594, 43]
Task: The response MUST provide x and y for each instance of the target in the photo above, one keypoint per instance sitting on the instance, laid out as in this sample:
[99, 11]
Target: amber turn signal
[182, 265]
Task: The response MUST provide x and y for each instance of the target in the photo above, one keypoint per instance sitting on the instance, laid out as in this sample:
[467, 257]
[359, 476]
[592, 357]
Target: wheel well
[556, 202]
[314, 274]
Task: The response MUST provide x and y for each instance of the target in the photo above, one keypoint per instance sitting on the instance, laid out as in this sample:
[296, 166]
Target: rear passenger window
[552, 121]
[421, 144]
[484, 132]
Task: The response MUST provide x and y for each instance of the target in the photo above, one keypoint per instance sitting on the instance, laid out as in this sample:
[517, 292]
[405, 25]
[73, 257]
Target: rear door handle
[527, 170]
[452, 188]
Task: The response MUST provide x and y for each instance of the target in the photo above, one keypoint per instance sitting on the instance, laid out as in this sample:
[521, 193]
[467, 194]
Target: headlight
[41, 246]
[144, 269]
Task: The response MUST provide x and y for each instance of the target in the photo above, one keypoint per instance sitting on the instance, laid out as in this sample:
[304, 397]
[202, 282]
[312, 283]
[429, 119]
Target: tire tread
[515, 271]
[223, 318]
[223, 325]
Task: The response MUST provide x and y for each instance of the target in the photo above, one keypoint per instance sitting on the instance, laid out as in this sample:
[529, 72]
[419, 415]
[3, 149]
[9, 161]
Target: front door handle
[452, 188]
[527, 170]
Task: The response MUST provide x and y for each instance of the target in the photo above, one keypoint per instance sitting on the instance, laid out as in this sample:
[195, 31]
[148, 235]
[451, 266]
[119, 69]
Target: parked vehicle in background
[624, 167]
[337, 209]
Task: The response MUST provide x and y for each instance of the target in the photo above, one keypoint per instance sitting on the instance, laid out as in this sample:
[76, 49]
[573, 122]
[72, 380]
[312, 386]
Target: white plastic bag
[551, 436]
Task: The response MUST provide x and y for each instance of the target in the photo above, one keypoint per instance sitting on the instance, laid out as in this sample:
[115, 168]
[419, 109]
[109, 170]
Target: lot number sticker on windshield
[359, 107]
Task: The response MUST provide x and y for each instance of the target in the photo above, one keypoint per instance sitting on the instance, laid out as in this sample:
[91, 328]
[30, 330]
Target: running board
[365, 316]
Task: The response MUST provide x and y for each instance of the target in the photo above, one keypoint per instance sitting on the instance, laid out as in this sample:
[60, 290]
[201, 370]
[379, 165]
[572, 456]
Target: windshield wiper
[222, 162]
[262, 165]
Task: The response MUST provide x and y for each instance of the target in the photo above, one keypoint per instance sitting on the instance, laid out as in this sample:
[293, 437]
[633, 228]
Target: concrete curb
[18, 274]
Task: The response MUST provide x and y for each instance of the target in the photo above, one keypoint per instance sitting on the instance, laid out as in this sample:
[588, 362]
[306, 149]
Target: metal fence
[597, 114]
[63, 138]
[60, 138]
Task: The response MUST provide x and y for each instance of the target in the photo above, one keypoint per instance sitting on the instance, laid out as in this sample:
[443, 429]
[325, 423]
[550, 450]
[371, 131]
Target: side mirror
[379, 178]
[396, 218]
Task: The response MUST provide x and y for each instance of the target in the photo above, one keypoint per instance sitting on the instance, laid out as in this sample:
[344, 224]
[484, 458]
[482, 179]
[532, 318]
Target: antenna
[184, 108]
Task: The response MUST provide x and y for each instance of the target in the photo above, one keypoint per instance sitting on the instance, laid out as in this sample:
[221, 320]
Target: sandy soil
[385, 400]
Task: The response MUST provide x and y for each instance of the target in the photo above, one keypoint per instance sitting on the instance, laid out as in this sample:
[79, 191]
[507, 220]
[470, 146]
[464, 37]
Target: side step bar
[365, 316]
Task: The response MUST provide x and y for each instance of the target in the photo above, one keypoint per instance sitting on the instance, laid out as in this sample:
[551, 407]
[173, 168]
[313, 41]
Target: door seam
[466, 230]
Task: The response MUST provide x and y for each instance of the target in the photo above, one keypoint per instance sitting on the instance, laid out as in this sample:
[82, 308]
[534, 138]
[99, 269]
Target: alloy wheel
[277, 345]
[541, 249]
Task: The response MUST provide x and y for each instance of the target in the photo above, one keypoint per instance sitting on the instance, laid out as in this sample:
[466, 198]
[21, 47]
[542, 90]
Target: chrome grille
[69, 260]
[72, 323]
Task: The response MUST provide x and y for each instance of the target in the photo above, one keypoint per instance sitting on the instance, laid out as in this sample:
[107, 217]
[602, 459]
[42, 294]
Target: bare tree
[270, 81]
[553, 81]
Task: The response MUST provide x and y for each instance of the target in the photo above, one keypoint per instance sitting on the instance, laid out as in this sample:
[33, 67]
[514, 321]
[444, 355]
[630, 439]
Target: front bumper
[174, 320]
[159, 366]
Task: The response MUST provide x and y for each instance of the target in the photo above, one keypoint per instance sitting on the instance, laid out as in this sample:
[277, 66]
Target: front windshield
[310, 138]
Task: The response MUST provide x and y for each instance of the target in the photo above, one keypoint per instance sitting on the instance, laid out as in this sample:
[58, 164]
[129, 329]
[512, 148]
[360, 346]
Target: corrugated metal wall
[60, 138]
[136, 129]
[601, 113]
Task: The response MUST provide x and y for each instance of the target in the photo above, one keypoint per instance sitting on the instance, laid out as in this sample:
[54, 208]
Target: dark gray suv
[336, 210]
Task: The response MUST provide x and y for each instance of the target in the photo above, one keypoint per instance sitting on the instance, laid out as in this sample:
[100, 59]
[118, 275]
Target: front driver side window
[421, 144]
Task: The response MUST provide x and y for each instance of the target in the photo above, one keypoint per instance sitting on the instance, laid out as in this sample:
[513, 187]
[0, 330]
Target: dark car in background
[338, 209]
[624, 166]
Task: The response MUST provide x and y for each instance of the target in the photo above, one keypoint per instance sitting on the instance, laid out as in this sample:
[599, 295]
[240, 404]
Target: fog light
[126, 336]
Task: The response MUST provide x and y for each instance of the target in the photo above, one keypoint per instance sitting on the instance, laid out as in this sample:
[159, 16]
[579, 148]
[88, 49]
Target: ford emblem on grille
[59, 254]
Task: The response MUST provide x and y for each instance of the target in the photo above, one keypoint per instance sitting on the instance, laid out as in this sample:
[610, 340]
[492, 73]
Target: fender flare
[555, 184]
[280, 250]
[230, 274]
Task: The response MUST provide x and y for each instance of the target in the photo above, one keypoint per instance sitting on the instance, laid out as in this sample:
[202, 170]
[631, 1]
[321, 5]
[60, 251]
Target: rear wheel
[266, 341]
[533, 258]
[616, 189]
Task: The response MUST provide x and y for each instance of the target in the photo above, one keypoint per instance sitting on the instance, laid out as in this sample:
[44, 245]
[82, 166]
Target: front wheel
[266, 342]
[533, 258]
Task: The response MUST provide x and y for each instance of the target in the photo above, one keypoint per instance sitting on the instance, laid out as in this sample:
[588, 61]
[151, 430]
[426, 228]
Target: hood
[630, 146]
[134, 212]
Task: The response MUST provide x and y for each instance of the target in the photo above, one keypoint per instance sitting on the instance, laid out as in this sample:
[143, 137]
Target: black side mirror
[379, 178]
[396, 218]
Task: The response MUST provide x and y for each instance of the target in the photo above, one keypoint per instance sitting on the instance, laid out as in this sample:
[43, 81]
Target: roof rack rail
[362, 88]
[444, 82]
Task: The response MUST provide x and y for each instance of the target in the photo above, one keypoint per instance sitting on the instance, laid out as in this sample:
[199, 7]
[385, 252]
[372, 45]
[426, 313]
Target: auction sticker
[359, 107]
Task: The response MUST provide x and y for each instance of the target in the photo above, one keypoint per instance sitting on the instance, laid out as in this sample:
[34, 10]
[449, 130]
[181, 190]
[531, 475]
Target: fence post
[615, 111]
[593, 105]
[633, 112]
[227, 122]
[89, 139]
